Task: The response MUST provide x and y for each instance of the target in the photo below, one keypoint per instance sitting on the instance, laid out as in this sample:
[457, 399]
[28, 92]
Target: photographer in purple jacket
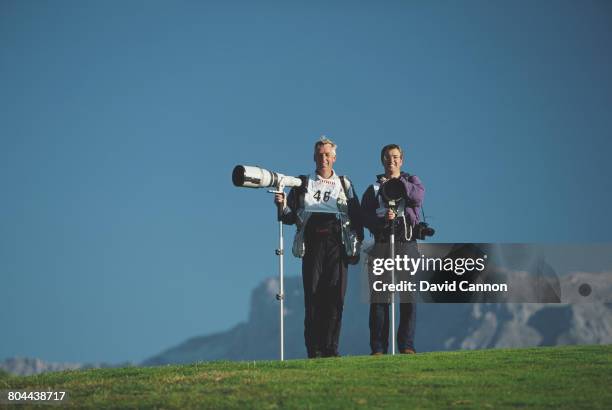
[378, 217]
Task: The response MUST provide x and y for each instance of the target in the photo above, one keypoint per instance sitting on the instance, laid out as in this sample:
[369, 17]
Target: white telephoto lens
[255, 177]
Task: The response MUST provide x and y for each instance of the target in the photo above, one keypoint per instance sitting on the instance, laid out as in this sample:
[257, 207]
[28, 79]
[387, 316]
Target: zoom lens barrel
[255, 177]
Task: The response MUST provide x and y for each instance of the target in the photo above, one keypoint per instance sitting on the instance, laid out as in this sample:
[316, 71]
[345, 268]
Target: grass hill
[439, 326]
[546, 377]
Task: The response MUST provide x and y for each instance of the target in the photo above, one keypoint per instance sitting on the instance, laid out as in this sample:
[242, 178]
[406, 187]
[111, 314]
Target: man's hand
[280, 200]
[390, 215]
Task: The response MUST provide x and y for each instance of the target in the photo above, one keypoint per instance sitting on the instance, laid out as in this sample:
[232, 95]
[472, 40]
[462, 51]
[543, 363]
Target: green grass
[560, 377]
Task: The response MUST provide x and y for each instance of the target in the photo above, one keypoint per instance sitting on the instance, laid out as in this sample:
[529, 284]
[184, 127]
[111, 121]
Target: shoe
[376, 354]
[407, 351]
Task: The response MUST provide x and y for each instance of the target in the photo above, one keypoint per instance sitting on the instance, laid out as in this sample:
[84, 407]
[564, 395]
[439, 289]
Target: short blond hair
[324, 140]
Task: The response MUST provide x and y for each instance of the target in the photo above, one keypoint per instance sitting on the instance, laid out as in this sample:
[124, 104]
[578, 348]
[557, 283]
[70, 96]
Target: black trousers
[324, 274]
[379, 327]
[379, 322]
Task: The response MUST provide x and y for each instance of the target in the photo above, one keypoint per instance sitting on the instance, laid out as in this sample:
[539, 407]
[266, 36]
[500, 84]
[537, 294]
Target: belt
[323, 230]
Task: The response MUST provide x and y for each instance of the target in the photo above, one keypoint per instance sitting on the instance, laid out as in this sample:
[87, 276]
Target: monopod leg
[281, 291]
[280, 251]
[392, 244]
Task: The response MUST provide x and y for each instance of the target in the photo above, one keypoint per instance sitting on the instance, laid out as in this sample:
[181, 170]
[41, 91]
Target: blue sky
[120, 231]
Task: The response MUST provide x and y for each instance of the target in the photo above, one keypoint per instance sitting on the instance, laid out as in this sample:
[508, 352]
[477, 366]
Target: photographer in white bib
[329, 232]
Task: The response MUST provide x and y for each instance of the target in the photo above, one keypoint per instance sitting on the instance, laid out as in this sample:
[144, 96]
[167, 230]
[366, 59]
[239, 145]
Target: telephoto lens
[393, 190]
[255, 177]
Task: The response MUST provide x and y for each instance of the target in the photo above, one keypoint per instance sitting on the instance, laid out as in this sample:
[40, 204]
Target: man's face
[393, 161]
[325, 158]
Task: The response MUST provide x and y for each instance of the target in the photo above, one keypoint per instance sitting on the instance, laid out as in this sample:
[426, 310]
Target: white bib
[322, 195]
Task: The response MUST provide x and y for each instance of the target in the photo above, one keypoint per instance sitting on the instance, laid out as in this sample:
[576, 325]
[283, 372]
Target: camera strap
[408, 238]
[346, 185]
[423, 213]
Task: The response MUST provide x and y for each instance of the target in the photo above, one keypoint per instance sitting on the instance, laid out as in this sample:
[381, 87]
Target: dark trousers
[324, 274]
[379, 326]
[379, 320]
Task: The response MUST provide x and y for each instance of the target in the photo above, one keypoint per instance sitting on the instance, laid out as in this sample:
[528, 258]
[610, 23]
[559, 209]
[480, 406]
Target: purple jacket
[370, 203]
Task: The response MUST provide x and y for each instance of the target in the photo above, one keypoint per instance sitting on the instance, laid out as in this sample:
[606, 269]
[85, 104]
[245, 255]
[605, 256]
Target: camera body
[422, 230]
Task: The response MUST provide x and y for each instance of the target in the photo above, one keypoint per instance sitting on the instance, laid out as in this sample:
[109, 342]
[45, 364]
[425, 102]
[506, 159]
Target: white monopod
[246, 176]
[280, 251]
[392, 245]
[393, 191]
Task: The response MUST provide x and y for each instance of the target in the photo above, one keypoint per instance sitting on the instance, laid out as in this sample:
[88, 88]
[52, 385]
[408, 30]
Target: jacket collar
[380, 178]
